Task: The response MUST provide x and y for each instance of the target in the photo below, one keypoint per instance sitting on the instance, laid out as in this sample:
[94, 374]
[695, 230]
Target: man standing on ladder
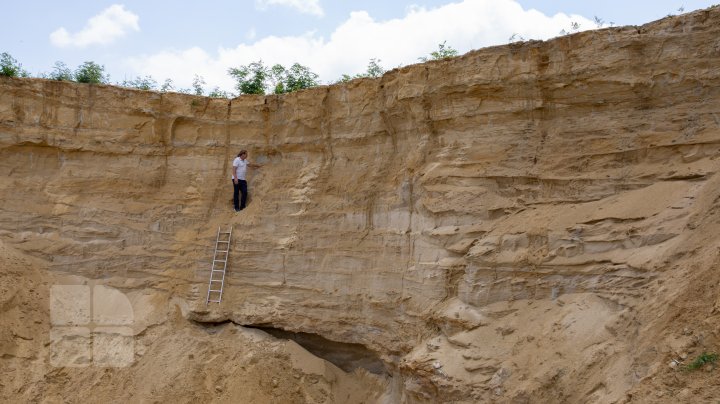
[239, 169]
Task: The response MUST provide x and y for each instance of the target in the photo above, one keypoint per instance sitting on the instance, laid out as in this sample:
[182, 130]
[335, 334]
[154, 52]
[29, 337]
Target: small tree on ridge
[91, 72]
[250, 78]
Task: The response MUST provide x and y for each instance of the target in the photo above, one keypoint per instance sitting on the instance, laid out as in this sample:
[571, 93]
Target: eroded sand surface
[534, 222]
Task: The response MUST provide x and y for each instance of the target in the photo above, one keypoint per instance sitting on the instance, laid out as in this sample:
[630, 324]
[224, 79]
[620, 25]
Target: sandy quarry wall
[395, 211]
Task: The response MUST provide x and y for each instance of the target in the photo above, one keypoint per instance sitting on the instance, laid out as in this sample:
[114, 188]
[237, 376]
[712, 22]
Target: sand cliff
[532, 222]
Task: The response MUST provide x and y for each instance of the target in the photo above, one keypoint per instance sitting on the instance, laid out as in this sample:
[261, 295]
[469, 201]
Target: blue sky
[178, 39]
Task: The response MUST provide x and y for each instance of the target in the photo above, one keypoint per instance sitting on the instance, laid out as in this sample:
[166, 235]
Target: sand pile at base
[24, 322]
[227, 363]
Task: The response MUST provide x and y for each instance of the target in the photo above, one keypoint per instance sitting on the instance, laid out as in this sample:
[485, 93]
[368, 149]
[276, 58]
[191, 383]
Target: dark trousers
[240, 187]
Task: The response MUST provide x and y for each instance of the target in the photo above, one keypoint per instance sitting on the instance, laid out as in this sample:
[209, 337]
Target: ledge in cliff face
[504, 223]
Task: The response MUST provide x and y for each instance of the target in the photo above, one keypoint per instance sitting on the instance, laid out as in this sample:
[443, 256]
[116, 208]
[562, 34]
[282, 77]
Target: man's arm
[234, 174]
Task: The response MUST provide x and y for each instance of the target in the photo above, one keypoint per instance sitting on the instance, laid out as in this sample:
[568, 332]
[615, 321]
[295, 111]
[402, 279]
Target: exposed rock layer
[495, 225]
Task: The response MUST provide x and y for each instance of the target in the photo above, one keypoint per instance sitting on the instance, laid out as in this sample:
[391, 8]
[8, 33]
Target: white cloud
[304, 6]
[112, 23]
[465, 25]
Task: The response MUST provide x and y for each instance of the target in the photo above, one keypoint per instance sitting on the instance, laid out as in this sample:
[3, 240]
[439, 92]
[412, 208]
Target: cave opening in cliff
[346, 356]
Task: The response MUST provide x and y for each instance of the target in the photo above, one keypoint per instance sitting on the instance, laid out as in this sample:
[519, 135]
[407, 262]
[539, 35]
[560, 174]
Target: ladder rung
[220, 260]
[223, 241]
[222, 251]
[214, 301]
[216, 280]
[215, 290]
[224, 232]
[218, 270]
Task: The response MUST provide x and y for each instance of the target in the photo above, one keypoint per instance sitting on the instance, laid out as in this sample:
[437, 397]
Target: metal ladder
[217, 271]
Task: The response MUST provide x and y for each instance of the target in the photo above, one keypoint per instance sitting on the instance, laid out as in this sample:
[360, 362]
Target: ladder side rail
[212, 268]
[224, 270]
[217, 239]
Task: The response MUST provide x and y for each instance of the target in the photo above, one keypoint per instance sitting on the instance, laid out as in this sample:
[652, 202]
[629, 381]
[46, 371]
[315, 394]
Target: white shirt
[240, 167]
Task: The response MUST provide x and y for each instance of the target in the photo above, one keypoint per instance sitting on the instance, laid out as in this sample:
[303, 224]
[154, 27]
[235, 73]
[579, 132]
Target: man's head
[242, 154]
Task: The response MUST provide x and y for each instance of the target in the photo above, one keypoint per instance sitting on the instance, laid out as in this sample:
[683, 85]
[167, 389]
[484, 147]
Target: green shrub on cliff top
[10, 67]
[61, 72]
[198, 85]
[297, 77]
[141, 83]
[256, 78]
[444, 51]
[91, 72]
[251, 79]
